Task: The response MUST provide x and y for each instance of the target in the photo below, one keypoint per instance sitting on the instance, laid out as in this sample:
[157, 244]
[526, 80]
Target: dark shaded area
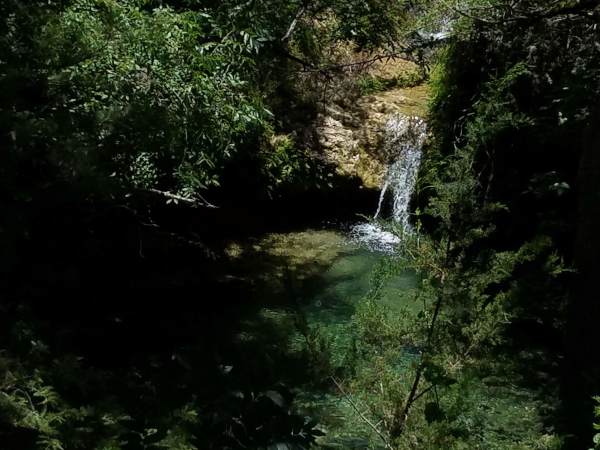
[155, 312]
[237, 216]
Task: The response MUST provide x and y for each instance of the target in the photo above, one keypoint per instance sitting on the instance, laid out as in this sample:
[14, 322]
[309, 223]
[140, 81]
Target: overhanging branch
[201, 201]
[583, 8]
[294, 22]
[406, 54]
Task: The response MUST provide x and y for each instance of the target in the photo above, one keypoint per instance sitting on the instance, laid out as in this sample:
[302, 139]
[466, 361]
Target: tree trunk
[585, 312]
[583, 334]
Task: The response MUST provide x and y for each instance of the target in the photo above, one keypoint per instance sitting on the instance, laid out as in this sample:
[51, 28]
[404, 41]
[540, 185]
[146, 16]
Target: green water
[328, 297]
[338, 289]
[330, 275]
[331, 300]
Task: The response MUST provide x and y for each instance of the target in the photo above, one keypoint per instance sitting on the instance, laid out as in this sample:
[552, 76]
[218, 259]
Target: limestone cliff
[352, 138]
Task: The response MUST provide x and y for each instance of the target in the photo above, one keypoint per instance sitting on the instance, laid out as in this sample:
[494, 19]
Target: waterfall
[382, 198]
[404, 140]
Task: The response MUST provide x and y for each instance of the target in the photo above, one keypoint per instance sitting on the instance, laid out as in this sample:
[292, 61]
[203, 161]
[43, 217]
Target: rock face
[352, 138]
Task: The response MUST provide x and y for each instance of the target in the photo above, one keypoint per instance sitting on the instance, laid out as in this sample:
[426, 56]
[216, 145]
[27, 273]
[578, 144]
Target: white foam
[404, 140]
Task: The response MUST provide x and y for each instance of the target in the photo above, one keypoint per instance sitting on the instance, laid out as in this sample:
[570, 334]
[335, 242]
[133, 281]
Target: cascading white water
[382, 198]
[404, 140]
[402, 176]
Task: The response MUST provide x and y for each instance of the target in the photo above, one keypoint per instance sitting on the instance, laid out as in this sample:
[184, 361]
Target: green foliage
[414, 370]
[284, 165]
[370, 85]
[487, 414]
[416, 365]
[369, 24]
[409, 357]
[35, 414]
[596, 426]
[115, 99]
[494, 199]
[29, 405]
[154, 100]
[409, 78]
[105, 104]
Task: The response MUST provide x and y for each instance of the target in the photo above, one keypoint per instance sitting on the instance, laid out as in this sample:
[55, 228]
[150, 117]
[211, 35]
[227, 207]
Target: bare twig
[361, 414]
[423, 393]
[464, 13]
[28, 397]
[291, 57]
[404, 53]
[135, 214]
[294, 22]
[576, 8]
[190, 201]
[141, 243]
[367, 62]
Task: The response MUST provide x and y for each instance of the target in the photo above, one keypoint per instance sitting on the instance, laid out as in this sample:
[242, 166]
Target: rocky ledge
[352, 138]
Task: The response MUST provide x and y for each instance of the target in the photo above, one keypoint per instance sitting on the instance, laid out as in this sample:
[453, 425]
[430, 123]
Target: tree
[529, 141]
[412, 369]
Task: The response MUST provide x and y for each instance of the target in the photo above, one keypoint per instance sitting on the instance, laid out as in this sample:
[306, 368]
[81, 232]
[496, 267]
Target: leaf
[277, 398]
[225, 369]
[311, 424]
[279, 446]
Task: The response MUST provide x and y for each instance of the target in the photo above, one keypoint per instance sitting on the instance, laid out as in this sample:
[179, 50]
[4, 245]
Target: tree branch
[190, 201]
[581, 8]
[413, 396]
[576, 8]
[28, 397]
[362, 416]
[404, 53]
[291, 57]
[423, 393]
[294, 22]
